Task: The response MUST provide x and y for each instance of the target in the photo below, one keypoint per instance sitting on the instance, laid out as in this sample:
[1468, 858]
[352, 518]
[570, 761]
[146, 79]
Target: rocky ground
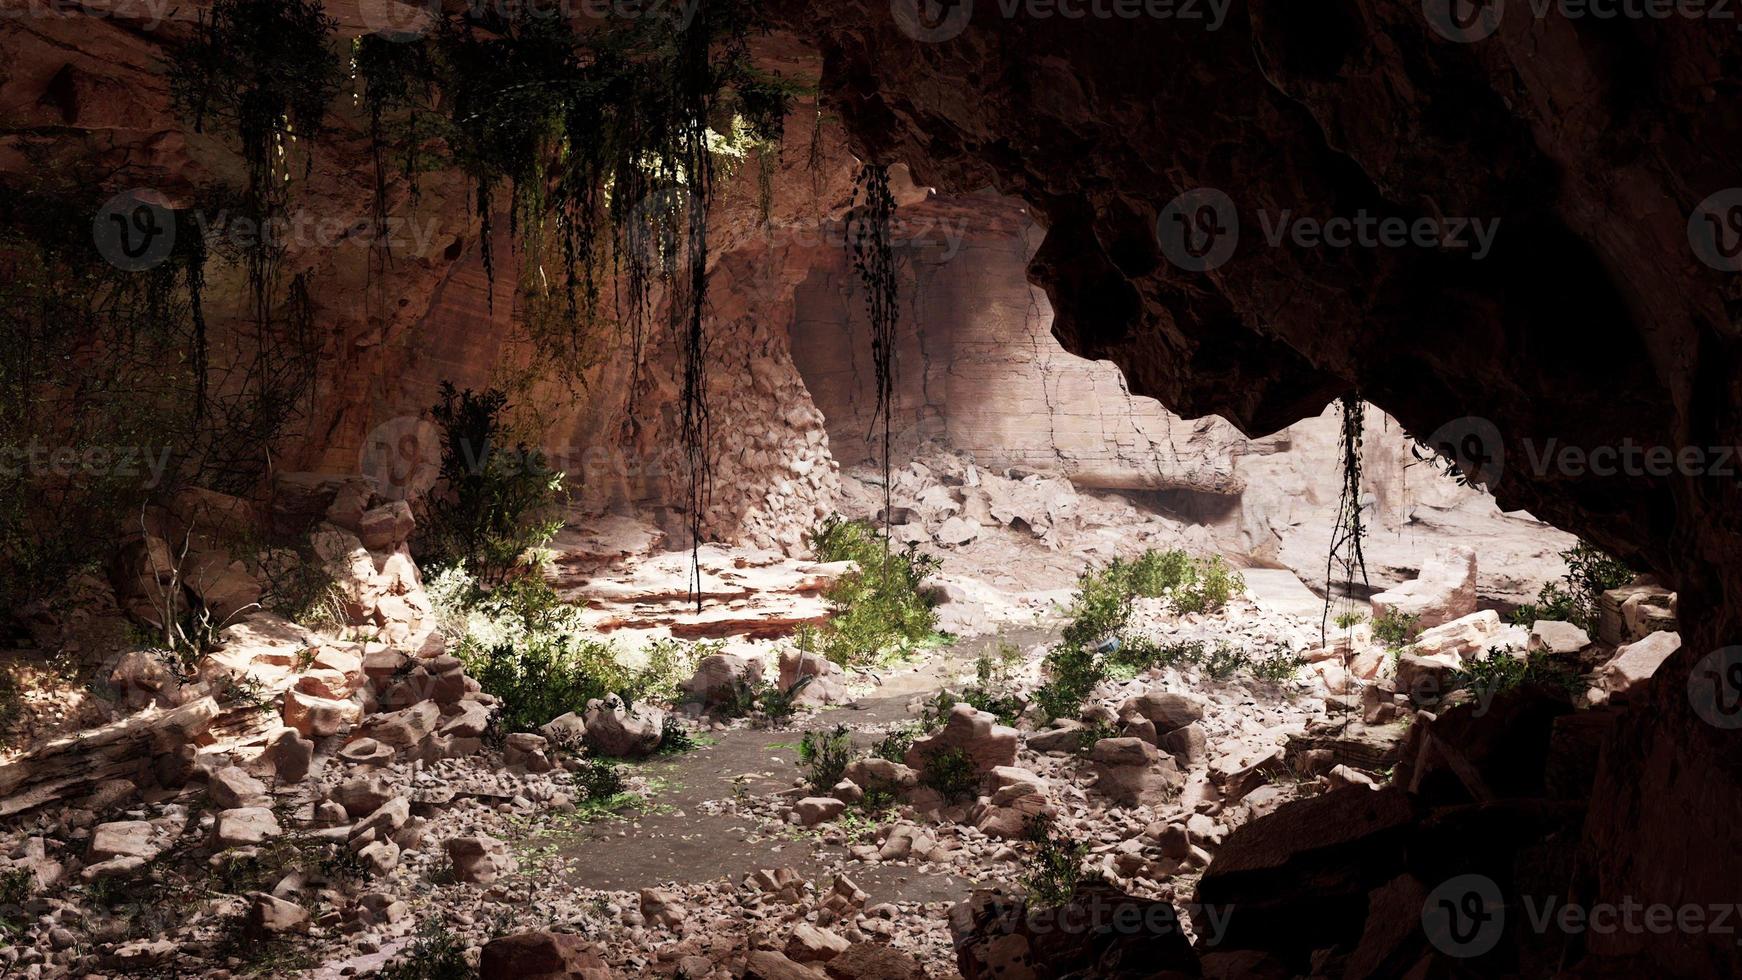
[336, 803]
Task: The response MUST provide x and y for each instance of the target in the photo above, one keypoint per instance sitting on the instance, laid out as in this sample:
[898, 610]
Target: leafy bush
[994, 687]
[1156, 573]
[674, 738]
[825, 756]
[1055, 868]
[878, 608]
[529, 649]
[600, 779]
[1503, 671]
[1590, 573]
[1210, 588]
[495, 501]
[951, 773]
[436, 954]
[1396, 630]
[1349, 619]
[894, 744]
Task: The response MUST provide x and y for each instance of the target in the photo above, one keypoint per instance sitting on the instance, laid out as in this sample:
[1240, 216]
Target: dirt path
[679, 842]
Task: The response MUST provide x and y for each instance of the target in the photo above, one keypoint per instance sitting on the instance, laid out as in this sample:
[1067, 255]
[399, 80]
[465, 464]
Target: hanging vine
[868, 244]
[1349, 533]
[266, 70]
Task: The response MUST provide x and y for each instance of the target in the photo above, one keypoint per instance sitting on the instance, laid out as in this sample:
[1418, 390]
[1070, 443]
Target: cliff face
[1593, 320]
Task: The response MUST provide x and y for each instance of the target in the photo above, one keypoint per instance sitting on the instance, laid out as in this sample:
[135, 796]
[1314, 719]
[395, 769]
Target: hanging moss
[266, 72]
[873, 258]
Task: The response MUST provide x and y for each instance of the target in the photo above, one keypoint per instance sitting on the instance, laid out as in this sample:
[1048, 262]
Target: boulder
[526, 751]
[817, 679]
[1635, 611]
[1064, 736]
[1556, 638]
[977, 734]
[480, 860]
[232, 787]
[874, 961]
[1132, 772]
[244, 826]
[813, 810]
[269, 916]
[1630, 669]
[386, 527]
[1167, 710]
[541, 955]
[1443, 591]
[316, 717]
[617, 731]
[1463, 637]
[812, 944]
[664, 907]
[1101, 932]
[720, 677]
[766, 964]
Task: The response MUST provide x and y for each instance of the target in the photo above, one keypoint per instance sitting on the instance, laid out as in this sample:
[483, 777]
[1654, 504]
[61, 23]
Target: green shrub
[529, 649]
[951, 773]
[894, 744]
[1156, 573]
[1349, 619]
[436, 954]
[1590, 573]
[495, 501]
[1210, 588]
[599, 778]
[674, 738]
[1055, 868]
[1396, 630]
[1503, 671]
[994, 687]
[825, 756]
[878, 608]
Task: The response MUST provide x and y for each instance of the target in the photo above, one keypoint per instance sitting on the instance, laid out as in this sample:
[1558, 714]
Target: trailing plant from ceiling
[265, 69]
[1348, 535]
[873, 258]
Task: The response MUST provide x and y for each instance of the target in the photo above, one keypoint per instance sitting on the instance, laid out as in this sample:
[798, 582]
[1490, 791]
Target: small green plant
[951, 773]
[600, 780]
[1590, 573]
[1210, 589]
[496, 501]
[1154, 574]
[878, 609]
[436, 954]
[1504, 670]
[825, 756]
[994, 688]
[16, 887]
[1396, 630]
[1055, 868]
[674, 737]
[1349, 619]
[894, 744]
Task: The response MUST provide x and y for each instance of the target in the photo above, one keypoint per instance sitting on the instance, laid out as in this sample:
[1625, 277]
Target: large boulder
[1444, 590]
[1630, 669]
[1635, 611]
[721, 677]
[619, 731]
[480, 859]
[1101, 932]
[542, 955]
[1133, 772]
[976, 734]
[818, 679]
[1166, 710]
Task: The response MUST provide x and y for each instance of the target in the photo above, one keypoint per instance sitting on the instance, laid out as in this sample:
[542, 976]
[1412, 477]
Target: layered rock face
[1590, 321]
[977, 370]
